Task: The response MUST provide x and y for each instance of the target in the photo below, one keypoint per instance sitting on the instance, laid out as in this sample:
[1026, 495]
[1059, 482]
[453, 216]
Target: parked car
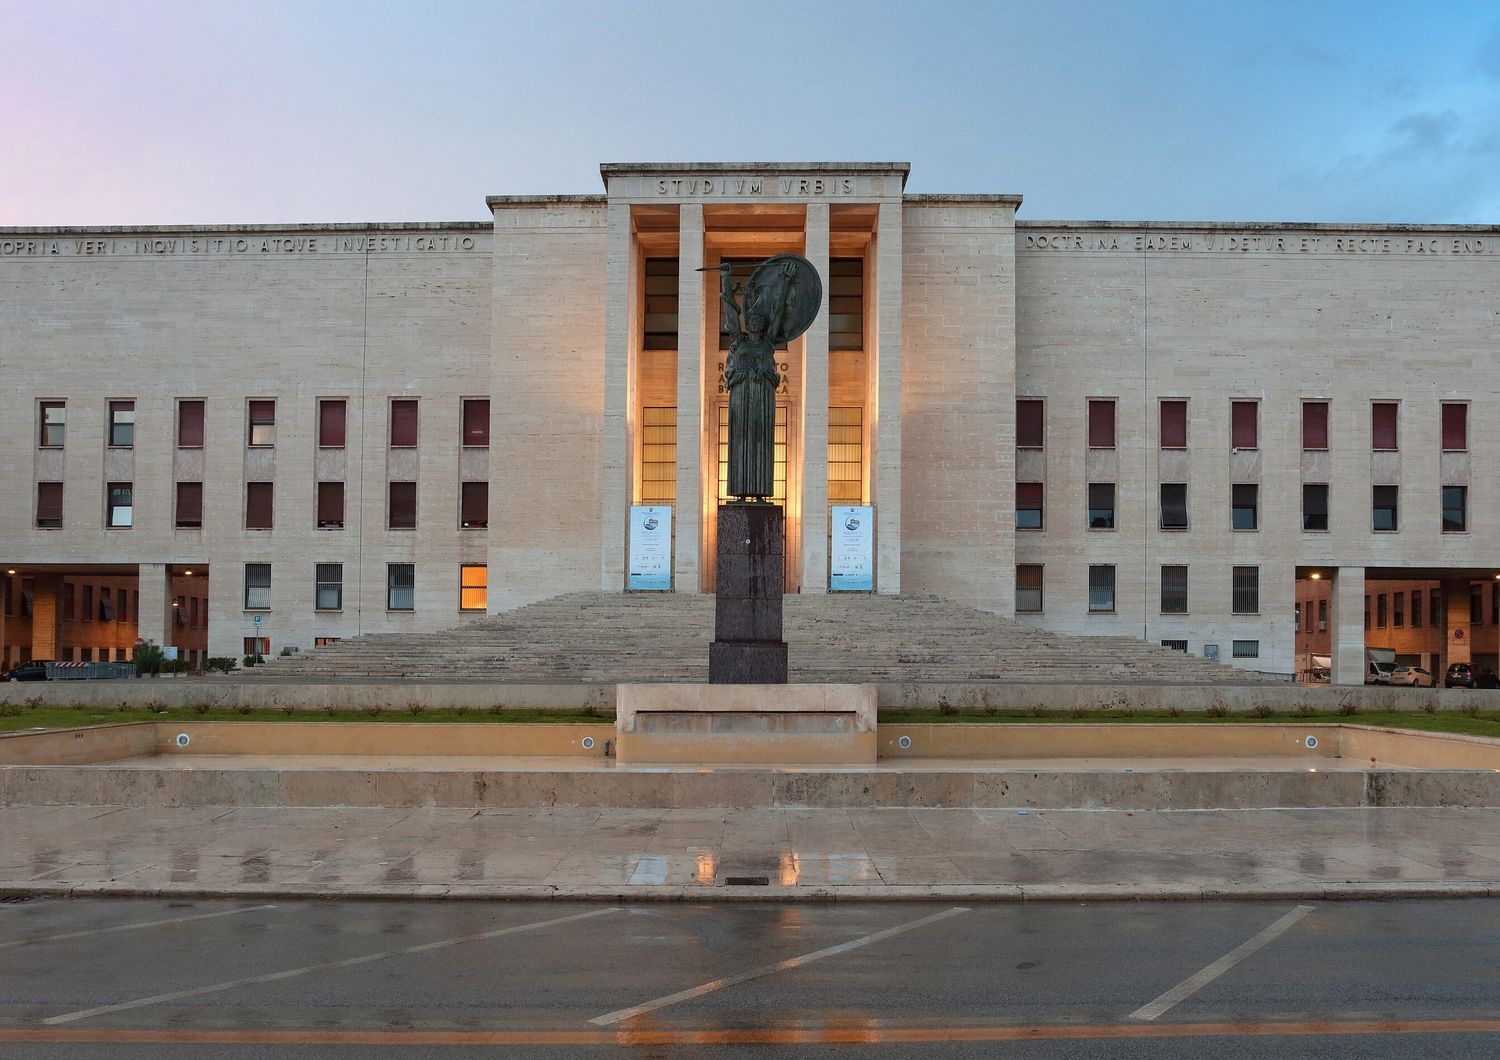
[27, 671]
[1379, 673]
[1414, 676]
[1467, 675]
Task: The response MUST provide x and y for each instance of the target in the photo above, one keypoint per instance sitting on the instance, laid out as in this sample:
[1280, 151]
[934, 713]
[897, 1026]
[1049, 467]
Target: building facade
[1161, 430]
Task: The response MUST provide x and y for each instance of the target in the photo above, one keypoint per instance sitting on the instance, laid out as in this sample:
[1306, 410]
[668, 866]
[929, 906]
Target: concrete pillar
[1347, 635]
[885, 488]
[46, 617]
[155, 620]
[815, 415]
[619, 390]
[688, 511]
[1457, 645]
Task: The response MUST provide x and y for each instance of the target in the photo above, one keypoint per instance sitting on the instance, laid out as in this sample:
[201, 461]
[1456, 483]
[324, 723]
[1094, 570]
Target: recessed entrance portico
[667, 444]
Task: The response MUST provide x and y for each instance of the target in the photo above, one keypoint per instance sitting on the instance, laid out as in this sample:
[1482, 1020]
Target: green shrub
[10, 710]
[1216, 710]
[415, 708]
[221, 663]
[1260, 710]
[1174, 712]
[1349, 708]
[202, 708]
[250, 660]
[1304, 710]
[148, 658]
[244, 708]
[1429, 707]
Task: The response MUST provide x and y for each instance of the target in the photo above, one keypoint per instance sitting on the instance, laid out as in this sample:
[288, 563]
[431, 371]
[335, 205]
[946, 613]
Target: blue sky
[164, 112]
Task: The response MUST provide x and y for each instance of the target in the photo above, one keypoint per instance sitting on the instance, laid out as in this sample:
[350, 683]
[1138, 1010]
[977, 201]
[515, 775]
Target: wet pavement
[151, 977]
[759, 853]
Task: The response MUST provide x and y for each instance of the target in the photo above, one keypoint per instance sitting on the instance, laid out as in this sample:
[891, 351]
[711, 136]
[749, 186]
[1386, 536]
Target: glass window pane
[1101, 588]
[400, 587]
[1174, 513]
[1028, 588]
[1315, 506]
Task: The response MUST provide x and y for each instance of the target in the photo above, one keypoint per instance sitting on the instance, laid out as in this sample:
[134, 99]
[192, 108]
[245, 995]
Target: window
[1028, 588]
[179, 611]
[1245, 649]
[1398, 610]
[402, 510]
[1174, 590]
[473, 586]
[257, 587]
[1031, 431]
[1315, 506]
[1455, 426]
[190, 424]
[193, 612]
[258, 646]
[474, 505]
[403, 423]
[1383, 424]
[85, 654]
[1174, 511]
[1495, 604]
[67, 597]
[333, 414]
[1244, 505]
[54, 419]
[1455, 509]
[1385, 507]
[121, 505]
[1367, 614]
[1243, 425]
[330, 505]
[263, 423]
[1028, 505]
[658, 435]
[1315, 425]
[86, 603]
[121, 424]
[189, 505]
[106, 605]
[659, 320]
[1101, 505]
[258, 505]
[1476, 605]
[1380, 611]
[1323, 614]
[1174, 424]
[477, 422]
[1246, 591]
[1435, 607]
[846, 456]
[329, 579]
[1102, 423]
[1175, 645]
[1101, 588]
[1416, 609]
[400, 587]
[49, 505]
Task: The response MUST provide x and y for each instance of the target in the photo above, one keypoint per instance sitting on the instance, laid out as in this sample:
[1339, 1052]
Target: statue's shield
[804, 291]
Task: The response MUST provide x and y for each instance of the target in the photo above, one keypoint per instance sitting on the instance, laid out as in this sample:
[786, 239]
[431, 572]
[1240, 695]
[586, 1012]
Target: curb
[1360, 890]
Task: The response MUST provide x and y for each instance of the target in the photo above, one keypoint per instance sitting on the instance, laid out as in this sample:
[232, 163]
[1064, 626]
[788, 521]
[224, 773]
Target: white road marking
[290, 973]
[133, 927]
[769, 969]
[1193, 983]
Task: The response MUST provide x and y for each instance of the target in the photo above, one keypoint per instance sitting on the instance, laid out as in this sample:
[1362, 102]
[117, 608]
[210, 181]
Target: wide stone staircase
[610, 637]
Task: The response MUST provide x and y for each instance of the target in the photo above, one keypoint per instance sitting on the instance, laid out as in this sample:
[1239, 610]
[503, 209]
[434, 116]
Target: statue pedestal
[747, 647]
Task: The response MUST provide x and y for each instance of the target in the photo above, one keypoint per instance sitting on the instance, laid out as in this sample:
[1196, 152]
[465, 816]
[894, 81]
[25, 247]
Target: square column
[815, 414]
[154, 623]
[885, 437]
[619, 392]
[1457, 645]
[1347, 636]
[687, 512]
[46, 616]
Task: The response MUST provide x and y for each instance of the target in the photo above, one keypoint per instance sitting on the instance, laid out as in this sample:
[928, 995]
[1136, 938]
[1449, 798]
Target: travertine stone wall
[550, 393]
[958, 401]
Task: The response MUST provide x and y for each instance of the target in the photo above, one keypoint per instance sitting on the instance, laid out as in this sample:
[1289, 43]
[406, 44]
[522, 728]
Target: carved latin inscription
[236, 245]
[1291, 242]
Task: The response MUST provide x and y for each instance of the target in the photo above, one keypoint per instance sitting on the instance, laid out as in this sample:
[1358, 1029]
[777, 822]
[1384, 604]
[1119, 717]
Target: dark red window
[1315, 425]
[474, 505]
[1102, 424]
[403, 506]
[258, 504]
[332, 416]
[477, 421]
[330, 505]
[1455, 426]
[1383, 424]
[49, 505]
[403, 423]
[189, 505]
[1030, 431]
[1243, 426]
[189, 424]
[1174, 424]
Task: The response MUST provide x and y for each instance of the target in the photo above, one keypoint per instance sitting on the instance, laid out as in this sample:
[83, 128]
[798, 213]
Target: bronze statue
[781, 299]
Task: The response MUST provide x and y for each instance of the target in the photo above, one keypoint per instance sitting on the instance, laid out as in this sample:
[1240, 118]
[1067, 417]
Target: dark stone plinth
[747, 647]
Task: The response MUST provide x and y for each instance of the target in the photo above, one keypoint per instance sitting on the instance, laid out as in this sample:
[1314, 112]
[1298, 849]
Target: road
[139, 978]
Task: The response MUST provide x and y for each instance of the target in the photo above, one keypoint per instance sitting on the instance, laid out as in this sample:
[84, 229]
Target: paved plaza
[771, 852]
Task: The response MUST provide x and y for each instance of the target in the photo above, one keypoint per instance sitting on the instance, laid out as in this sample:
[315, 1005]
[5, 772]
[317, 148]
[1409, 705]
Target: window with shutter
[403, 423]
[332, 419]
[1102, 424]
[330, 505]
[189, 505]
[474, 505]
[49, 505]
[1030, 423]
[1455, 427]
[1244, 433]
[1028, 588]
[1315, 425]
[1383, 424]
[476, 422]
[403, 506]
[262, 422]
[258, 505]
[1174, 424]
[1174, 510]
[190, 424]
[1028, 505]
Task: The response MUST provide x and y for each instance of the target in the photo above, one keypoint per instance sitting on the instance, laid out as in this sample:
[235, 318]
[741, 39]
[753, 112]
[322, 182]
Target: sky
[262, 111]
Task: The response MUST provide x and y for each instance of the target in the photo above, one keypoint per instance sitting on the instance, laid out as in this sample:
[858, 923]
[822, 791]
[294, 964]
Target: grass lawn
[16, 716]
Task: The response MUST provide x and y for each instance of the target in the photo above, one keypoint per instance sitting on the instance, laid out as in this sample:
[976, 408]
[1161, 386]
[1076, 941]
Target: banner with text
[851, 553]
[650, 548]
